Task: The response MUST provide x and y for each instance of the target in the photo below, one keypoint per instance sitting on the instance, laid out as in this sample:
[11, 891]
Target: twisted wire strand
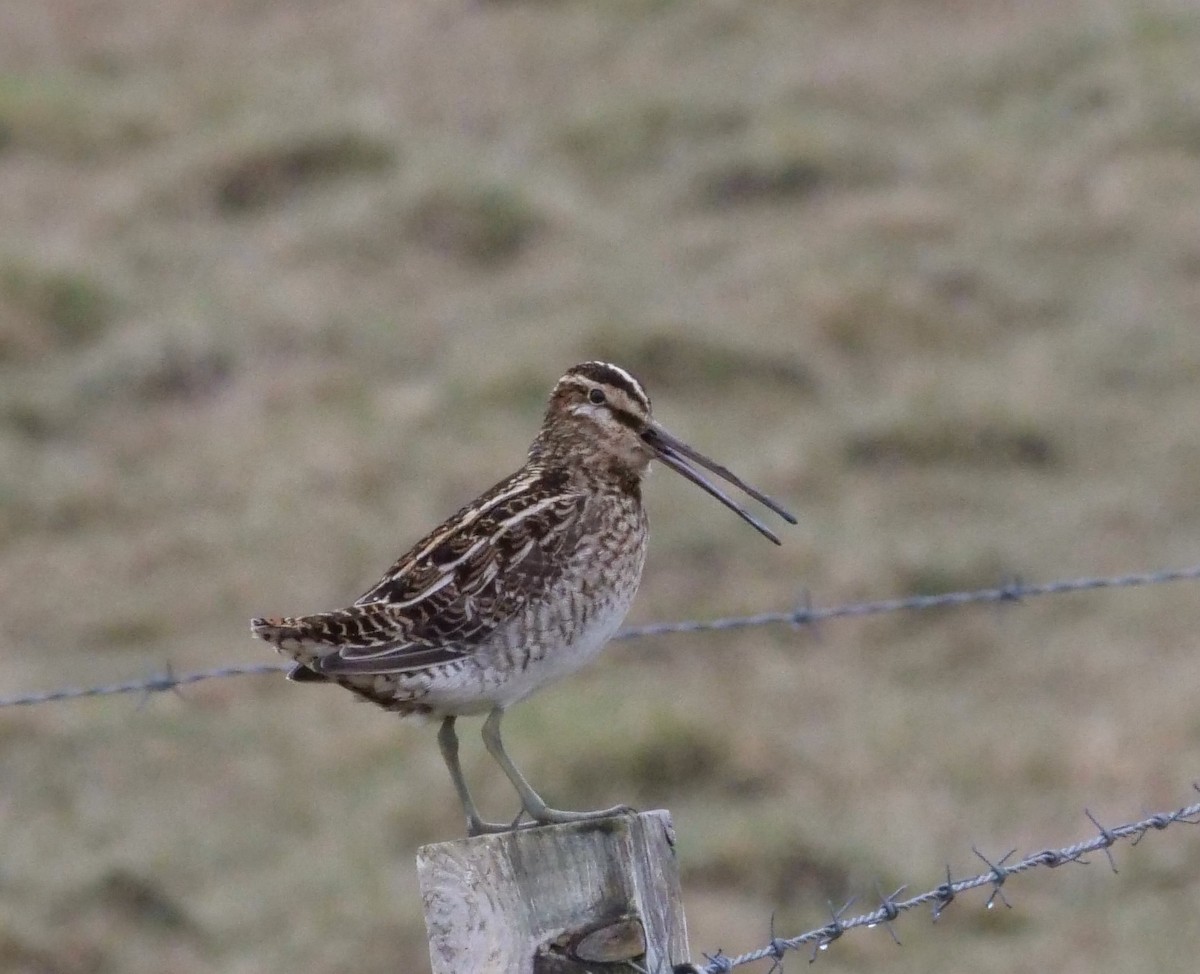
[1013, 592]
[939, 897]
[799, 616]
[159, 683]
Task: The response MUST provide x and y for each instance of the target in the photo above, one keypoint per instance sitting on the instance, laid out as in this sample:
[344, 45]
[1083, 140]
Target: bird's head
[599, 418]
[596, 416]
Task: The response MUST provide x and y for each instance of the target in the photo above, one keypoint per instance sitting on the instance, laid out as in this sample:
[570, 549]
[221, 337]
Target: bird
[519, 588]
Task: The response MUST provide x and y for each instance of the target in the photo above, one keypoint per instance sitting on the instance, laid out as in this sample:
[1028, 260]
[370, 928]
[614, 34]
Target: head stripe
[615, 376]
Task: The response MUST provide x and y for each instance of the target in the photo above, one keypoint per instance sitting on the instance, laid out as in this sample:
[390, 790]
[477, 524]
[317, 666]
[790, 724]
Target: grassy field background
[283, 284]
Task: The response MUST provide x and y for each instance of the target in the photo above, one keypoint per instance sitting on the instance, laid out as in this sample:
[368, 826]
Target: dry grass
[280, 286]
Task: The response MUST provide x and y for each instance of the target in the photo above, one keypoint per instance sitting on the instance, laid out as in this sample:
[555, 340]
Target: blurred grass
[480, 224]
[279, 289]
[271, 174]
[47, 309]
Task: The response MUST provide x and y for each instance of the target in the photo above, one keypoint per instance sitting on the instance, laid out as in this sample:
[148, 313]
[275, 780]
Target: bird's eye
[596, 397]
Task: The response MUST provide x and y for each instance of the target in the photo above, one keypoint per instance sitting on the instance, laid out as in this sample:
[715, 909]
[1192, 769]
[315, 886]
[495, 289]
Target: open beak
[681, 458]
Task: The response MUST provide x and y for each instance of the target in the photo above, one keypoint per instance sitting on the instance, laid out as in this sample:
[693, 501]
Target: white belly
[549, 663]
[551, 639]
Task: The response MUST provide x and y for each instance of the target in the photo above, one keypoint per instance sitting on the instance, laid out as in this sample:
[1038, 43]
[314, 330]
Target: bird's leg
[538, 810]
[448, 744]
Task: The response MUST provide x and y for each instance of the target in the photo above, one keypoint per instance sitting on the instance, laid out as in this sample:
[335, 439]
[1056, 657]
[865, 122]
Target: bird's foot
[477, 826]
[544, 815]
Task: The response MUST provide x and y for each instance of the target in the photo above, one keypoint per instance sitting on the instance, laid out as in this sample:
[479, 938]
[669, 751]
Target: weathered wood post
[562, 899]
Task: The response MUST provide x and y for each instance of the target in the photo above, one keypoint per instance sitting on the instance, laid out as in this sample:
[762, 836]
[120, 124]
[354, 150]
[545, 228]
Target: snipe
[521, 587]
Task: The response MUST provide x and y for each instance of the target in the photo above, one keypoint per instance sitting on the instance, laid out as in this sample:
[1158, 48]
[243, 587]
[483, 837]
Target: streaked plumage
[519, 588]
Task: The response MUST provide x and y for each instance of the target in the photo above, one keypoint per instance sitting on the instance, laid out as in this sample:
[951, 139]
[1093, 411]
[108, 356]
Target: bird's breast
[581, 610]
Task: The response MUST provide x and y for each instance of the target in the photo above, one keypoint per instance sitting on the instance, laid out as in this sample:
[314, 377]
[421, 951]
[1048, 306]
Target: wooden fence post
[561, 899]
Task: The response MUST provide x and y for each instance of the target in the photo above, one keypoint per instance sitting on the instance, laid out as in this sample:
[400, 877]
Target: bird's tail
[305, 639]
[308, 638]
[289, 634]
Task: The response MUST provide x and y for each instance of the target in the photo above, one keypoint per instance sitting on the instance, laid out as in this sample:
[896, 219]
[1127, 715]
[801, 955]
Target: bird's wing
[465, 579]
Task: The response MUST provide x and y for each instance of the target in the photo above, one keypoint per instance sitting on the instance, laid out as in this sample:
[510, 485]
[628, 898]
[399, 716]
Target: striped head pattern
[599, 418]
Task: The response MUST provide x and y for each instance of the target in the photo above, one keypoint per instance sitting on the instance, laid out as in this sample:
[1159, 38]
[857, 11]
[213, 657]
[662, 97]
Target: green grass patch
[49, 309]
[270, 175]
[482, 225]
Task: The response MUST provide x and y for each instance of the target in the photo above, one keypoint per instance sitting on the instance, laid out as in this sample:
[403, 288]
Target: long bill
[676, 454]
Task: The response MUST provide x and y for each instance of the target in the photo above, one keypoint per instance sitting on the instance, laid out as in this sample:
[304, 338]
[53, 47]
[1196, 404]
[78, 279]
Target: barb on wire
[940, 896]
[803, 614]
[1000, 873]
[825, 935]
[943, 896]
[887, 905]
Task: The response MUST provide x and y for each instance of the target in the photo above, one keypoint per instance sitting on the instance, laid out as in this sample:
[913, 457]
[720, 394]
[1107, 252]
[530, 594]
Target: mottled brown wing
[469, 576]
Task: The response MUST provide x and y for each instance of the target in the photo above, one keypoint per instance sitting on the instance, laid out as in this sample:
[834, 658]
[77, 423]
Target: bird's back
[518, 588]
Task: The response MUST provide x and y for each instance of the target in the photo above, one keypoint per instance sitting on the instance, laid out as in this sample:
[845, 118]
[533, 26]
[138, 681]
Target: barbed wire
[1014, 591]
[802, 615]
[158, 683]
[939, 897]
